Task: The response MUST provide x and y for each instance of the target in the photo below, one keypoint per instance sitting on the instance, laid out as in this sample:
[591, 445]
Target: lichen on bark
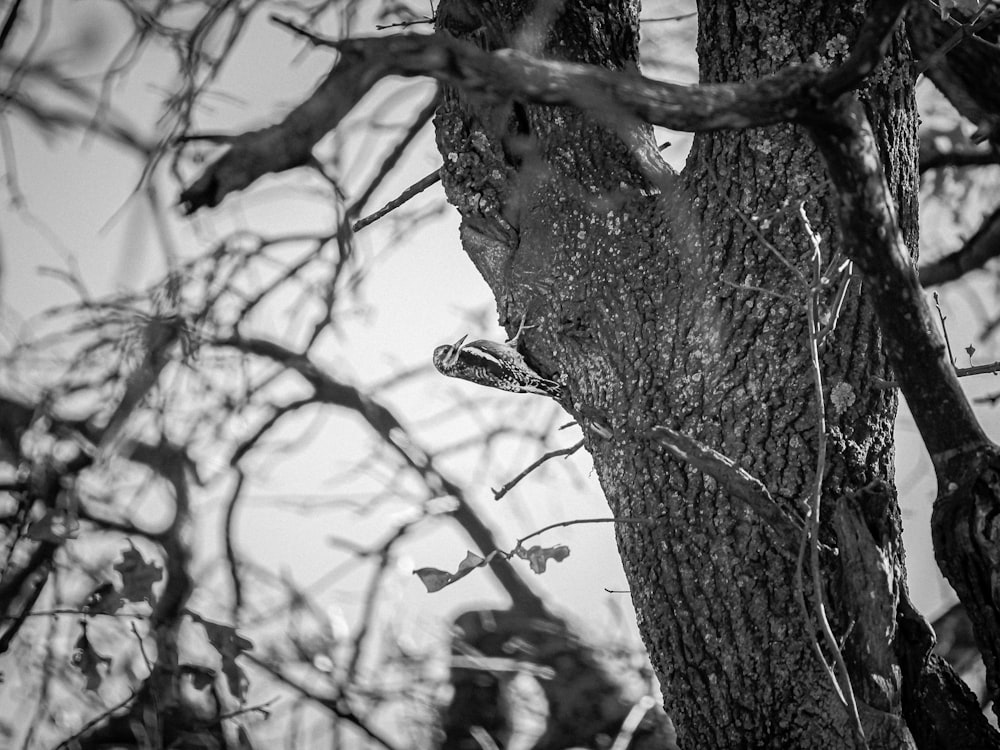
[674, 308]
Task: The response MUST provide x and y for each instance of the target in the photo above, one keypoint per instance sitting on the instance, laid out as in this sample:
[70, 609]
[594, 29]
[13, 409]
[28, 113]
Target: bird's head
[446, 356]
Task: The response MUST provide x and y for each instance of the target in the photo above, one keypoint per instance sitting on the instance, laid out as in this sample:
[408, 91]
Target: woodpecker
[494, 365]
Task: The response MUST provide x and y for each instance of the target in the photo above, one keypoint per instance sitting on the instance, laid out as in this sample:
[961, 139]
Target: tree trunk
[680, 302]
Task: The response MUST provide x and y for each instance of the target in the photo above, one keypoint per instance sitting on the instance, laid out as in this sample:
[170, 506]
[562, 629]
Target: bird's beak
[456, 348]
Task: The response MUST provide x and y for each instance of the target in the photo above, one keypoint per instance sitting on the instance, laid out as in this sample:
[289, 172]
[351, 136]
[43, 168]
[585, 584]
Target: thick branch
[868, 49]
[874, 242]
[289, 143]
[983, 246]
[967, 464]
[770, 100]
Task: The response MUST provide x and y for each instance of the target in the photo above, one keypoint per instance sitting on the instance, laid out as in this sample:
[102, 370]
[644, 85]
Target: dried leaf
[138, 576]
[230, 645]
[88, 661]
[538, 556]
[435, 580]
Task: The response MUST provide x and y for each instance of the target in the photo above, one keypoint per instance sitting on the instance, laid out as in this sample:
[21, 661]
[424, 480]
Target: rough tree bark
[682, 303]
[691, 319]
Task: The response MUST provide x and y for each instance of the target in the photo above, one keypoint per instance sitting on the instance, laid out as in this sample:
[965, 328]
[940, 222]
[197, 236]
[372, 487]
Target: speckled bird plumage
[492, 364]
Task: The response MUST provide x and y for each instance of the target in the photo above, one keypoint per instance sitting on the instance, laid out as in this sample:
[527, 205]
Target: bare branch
[333, 705]
[394, 434]
[980, 248]
[781, 97]
[287, 144]
[839, 674]
[390, 161]
[229, 532]
[8, 22]
[72, 741]
[956, 156]
[498, 494]
[868, 49]
[913, 343]
[963, 73]
[576, 522]
[966, 546]
[415, 189]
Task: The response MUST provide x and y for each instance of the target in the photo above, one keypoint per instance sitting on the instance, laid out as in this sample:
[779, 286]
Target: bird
[492, 364]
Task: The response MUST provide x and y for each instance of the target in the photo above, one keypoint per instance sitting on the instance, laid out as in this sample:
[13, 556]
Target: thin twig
[317, 40]
[497, 494]
[679, 17]
[375, 588]
[261, 708]
[71, 741]
[759, 289]
[332, 704]
[230, 530]
[574, 522]
[403, 24]
[142, 649]
[80, 612]
[964, 31]
[842, 679]
[390, 161]
[415, 189]
[756, 230]
[944, 329]
[435, 579]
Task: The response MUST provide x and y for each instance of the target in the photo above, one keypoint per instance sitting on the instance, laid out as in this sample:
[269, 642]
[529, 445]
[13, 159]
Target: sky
[69, 203]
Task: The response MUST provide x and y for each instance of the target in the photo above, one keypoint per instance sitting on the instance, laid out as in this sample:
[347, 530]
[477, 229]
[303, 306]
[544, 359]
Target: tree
[121, 627]
[730, 338]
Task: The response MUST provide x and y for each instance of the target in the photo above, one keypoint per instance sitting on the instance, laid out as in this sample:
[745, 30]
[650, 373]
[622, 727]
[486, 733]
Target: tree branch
[8, 22]
[964, 72]
[390, 161]
[874, 242]
[868, 49]
[289, 143]
[956, 156]
[333, 705]
[982, 247]
[777, 98]
[967, 464]
[415, 189]
[391, 431]
[498, 494]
